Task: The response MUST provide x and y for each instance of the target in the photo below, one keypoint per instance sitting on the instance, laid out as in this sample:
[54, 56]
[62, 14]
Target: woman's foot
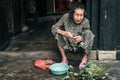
[81, 65]
[64, 62]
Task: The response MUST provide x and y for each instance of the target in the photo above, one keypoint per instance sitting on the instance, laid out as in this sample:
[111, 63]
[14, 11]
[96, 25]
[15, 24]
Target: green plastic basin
[59, 68]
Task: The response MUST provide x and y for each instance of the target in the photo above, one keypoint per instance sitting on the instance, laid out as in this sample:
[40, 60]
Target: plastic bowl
[59, 68]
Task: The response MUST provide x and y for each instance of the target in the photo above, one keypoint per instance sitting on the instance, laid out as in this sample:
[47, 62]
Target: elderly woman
[73, 33]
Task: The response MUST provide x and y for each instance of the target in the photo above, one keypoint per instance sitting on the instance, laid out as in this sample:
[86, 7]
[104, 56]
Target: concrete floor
[20, 66]
[38, 37]
[17, 60]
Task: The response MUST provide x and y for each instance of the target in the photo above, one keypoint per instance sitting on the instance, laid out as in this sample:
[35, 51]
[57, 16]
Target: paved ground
[17, 60]
[20, 66]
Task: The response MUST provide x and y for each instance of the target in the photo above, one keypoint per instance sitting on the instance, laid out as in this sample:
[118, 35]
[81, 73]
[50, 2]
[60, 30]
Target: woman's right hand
[65, 33]
[68, 34]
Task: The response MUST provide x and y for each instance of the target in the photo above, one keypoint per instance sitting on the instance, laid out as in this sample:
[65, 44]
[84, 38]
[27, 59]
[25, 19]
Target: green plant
[90, 71]
[71, 74]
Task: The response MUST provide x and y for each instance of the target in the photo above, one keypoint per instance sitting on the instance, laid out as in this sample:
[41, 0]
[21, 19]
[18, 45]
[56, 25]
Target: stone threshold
[102, 55]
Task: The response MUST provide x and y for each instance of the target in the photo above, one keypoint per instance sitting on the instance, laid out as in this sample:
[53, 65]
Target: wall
[49, 7]
[104, 18]
[10, 21]
[108, 28]
[4, 35]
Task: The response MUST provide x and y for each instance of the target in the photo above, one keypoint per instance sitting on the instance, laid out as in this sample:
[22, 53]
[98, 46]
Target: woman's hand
[78, 39]
[65, 33]
[68, 34]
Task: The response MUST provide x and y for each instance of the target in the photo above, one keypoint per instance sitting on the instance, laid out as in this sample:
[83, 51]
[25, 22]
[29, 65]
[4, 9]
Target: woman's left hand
[78, 39]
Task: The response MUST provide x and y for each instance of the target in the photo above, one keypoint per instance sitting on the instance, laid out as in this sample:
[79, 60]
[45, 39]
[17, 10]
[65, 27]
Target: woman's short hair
[74, 6]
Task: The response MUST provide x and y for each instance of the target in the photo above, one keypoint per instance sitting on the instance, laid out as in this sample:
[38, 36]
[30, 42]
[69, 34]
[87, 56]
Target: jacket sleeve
[58, 25]
[88, 37]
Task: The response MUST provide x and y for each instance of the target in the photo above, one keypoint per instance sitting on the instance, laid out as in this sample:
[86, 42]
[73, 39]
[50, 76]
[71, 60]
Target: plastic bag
[43, 64]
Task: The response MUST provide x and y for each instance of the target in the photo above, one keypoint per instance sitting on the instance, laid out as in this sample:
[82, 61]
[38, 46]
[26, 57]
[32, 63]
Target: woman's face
[78, 15]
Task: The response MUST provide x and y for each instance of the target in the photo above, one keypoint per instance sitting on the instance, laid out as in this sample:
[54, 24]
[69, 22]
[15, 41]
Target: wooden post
[54, 6]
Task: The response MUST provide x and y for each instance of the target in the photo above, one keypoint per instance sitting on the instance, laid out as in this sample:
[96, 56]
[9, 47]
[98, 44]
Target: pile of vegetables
[90, 71]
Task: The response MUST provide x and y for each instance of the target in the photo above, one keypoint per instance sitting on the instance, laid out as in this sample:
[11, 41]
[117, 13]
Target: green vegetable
[91, 71]
[48, 63]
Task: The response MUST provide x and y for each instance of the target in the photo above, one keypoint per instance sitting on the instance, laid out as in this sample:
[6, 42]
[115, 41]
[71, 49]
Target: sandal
[64, 62]
[81, 65]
